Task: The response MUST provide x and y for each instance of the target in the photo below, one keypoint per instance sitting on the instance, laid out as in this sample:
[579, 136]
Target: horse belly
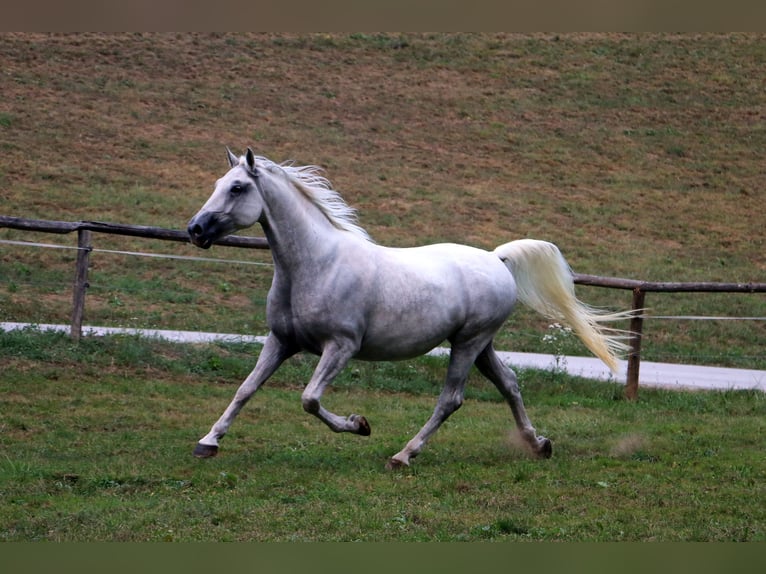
[395, 345]
[413, 317]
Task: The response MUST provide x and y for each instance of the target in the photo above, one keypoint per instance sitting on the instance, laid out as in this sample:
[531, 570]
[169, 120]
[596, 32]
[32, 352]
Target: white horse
[337, 294]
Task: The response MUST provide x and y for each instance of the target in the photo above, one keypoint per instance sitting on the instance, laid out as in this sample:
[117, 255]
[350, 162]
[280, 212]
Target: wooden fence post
[80, 282]
[634, 358]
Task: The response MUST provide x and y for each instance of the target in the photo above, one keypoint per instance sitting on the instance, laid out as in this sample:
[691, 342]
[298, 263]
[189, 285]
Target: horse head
[236, 202]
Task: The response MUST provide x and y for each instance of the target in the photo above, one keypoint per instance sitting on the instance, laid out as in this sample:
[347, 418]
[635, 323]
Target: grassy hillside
[639, 155]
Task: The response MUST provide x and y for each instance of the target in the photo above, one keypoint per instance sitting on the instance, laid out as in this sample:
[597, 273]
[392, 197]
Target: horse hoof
[205, 450]
[396, 464]
[362, 426]
[546, 449]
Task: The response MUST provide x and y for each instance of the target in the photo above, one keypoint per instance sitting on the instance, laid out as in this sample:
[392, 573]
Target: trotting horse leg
[334, 357]
[490, 365]
[272, 355]
[450, 399]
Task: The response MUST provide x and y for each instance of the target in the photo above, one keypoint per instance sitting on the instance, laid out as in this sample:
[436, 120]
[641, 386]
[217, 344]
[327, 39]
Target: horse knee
[310, 404]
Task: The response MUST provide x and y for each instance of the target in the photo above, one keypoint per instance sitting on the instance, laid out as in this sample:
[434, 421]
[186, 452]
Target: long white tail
[544, 283]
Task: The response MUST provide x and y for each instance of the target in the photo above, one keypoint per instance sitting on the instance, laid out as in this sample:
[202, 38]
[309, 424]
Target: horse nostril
[195, 230]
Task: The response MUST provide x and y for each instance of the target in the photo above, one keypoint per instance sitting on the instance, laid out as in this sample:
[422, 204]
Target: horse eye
[236, 189]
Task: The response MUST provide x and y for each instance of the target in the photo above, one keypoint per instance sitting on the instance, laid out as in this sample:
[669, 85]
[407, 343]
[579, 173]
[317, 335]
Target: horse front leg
[273, 354]
[335, 357]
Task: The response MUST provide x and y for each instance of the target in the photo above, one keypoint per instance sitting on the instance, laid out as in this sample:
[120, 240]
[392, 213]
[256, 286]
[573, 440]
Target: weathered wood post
[634, 357]
[80, 282]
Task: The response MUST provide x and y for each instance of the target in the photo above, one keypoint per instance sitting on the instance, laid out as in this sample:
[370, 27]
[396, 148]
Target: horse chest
[309, 321]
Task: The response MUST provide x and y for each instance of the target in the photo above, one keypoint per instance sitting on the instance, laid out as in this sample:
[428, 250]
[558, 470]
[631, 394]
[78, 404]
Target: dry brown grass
[640, 156]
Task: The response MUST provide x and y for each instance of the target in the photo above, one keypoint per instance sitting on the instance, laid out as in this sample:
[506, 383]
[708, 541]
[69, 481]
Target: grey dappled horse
[337, 294]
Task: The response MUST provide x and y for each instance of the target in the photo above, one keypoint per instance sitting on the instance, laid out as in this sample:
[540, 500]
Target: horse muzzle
[205, 228]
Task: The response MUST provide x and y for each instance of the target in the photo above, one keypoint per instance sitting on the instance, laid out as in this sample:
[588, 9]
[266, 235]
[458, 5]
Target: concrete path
[666, 375]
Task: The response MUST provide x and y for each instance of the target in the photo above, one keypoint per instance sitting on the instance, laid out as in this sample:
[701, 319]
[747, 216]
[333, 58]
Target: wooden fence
[640, 289]
[85, 229]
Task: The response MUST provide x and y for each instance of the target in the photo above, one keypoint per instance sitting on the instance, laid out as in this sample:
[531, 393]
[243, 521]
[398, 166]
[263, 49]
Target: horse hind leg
[450, 400]
[490, 365]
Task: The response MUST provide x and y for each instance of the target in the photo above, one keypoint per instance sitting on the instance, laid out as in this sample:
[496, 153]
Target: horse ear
[250, 159]
[233, 160]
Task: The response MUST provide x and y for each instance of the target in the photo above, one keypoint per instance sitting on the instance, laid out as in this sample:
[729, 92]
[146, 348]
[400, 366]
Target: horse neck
[299, 234]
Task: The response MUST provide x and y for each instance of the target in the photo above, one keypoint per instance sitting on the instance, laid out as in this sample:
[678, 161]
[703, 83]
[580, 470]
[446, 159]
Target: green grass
[96, 446]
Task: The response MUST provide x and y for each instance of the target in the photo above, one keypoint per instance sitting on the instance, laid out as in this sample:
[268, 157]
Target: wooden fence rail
[640, 289]
[85, 229]
[62, 227]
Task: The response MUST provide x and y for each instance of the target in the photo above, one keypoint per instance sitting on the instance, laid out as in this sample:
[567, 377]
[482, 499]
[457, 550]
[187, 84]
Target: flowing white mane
[318, 189]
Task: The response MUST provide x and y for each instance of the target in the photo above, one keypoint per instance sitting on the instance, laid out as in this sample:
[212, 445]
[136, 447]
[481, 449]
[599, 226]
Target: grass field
[97, 441]
[641, 156]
